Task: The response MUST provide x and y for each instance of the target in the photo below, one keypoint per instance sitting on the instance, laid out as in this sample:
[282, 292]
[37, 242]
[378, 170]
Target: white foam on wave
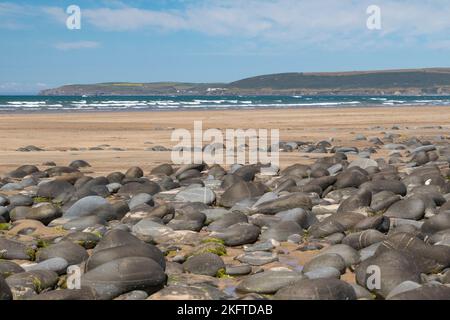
[26, 102]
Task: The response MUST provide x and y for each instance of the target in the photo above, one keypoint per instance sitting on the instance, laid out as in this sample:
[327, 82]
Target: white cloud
[77, 45]
[324, 22]
[327, 23]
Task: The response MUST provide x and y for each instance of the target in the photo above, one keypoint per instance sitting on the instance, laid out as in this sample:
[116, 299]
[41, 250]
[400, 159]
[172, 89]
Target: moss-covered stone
[37, 284]
[31, 254]
[216, 240]
[41, 200]
[5, 226]
[222, 274]
[209, 247]
[41, 243]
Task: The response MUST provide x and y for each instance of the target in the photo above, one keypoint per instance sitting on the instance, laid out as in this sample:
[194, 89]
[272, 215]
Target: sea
[33, 104]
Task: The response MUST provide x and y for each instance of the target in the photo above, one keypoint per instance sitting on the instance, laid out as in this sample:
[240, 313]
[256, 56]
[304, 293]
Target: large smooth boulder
[196, 194]
[85, 207]
[394, 268]
[116, 277]
[58, 190]
[240, 191]
[134, 188]
[291, 201]
[38, 280]
[12, 250]
[71, 252]
[5, 292]
[84, 294]
[429, 258]
[268, 282]
[43, 212]
[317, 289]
[413, 209]
[238, 234]
[120, 244]
[437, 223]
[208, 264]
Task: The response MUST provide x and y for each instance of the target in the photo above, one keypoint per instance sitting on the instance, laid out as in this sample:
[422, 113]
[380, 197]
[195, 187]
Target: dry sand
[136, 131]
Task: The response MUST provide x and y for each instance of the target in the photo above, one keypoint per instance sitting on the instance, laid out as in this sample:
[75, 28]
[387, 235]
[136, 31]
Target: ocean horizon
[36, 103]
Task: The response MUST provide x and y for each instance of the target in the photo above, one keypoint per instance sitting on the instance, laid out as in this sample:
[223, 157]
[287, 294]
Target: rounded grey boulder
[208, 264]
[317, 289]
[116, 277]
[268, 282]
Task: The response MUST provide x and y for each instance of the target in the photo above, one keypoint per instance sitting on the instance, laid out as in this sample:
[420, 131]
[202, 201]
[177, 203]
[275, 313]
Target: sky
[213, 40]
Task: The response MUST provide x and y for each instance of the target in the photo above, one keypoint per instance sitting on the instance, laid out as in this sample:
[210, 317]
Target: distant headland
[384, 82]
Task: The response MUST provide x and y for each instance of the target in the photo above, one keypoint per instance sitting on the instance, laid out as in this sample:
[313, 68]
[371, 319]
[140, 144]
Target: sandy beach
[133, 132]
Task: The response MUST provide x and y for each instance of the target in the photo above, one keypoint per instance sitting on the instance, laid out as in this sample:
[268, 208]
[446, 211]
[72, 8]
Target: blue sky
[212, 40]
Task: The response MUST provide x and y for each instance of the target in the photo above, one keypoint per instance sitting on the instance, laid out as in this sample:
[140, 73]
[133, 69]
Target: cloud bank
[320, 22]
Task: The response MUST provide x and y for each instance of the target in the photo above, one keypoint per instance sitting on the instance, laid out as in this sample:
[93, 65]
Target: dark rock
[118, 244]
[43, 212]
[282, 231]
[5, 292]
[134, 172]
[360, 240]
[58, 171]
[87, 240]
[238, 234]
[133, 188]
[196, 194]
[208, 264]
[426, 292]
[38, 280]
[383, 200]
[356, 203]
[71, 252]
[15, 250]
[291, 201]
[238, 270]
[79, 224]
[115, 177]
[268, 282]
[165, 169]
[228, 220]
[79, 164]
[8, 268]
[395, 267]
[325, 228]
[139, 199]
[240, 191]
[317, 289]
[116, 277]
[413, 209]
[350, 178]
[327, 260]
[394, 186]
[429, 258]
[86, 207]
[350, 255]
[437, 223]
[20, 200]
[58, 190]
[257, 258]
[86, 294]
[380, 223]
[200, 291]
